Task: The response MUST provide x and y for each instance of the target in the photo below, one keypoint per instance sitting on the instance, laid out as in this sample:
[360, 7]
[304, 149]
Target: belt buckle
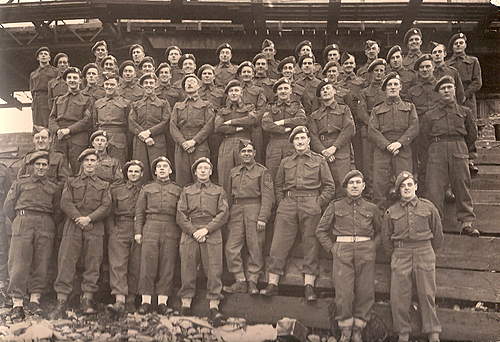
[322, 137]
[399, 244]
[289, 193]
[21, 212]
[436, 139]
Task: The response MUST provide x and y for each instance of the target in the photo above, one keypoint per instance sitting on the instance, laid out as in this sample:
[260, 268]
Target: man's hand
[228, 122]
[138, 238]
[191, 150]
[188, 144]
[82, 221]
[144, 135]
[200, 234]
[239, 129]
[288, 129]
[393, 147]
[261, 226]
[62, 132]
[149, 141]
[279, 122]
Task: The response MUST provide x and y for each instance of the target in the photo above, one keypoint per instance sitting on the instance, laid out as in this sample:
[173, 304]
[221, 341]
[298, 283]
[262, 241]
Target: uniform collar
[42, 180]
[287, 102]
[236, 105]
[308, 76]
[260, 74]
[151, 96]
[413, 202]
[412, 54]
[352, 200]
[132, 185]
[332, 105]
[393, 100]
[83, 175]
[192, 98]
[73, 93]
[247, 167]
[201, 185]
[224, 64]
[307, 153]
[166, 181]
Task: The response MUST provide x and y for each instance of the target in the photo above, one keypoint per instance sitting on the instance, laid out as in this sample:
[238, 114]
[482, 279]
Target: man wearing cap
[353, 222]
[202, 211]
[191, 124]
[234, 122]
[70, 120]
[411, 232]
[372, 49]
[392, 127]
[158, 234]
[124, 253]
[109, 65]
[172, 55]
[303, 186]
[108, 168]
[407, 76]
[86, 201]
[146, 66]
[269, 50]
[32, 205]
[128, 87]
[252, 198]
[148, 122]
[166, 90]
[332, 128]
[57, 86]
[438, 54]
[261, 78]
[280, 118]
[225, 71]
[413, 41]
[187, 62]
[304, 48]
[331, 53]
[39, 82]
[137, 54]
[5, 236]
[371, 96]
[331, 71]
[449, 128]
[287, 69]
[307, 80]
[92, 89]
[100, 51]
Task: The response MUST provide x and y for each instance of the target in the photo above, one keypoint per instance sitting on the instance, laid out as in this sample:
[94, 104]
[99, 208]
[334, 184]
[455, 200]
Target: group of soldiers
[124, 155]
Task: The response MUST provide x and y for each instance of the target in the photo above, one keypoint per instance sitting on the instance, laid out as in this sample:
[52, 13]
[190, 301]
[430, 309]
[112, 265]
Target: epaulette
[260, 165]
[425, 200]
[24, 176]
[317, 155]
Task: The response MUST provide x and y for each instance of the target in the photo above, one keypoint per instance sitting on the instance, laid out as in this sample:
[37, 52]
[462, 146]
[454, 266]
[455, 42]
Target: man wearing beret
[411, 232]
[304, 48]
[251, 198]
[233, 122]
[225, 71]
[392, 127]
[372, 49]
[172, 54]
[92, 89]
[438, 54]
[187, 62]
[32, 205]
[395, 60]
[287, 68]
[332, 128]
[202, 211]
[86, 201]
[280, 118]
[303, 186]
[100, 51]
[71, 119]
[208, 90]
[269, 50]
[109, 65]
[137, 54]
[353, 222]
[261, 78]
[146, 66]
[343, 95]
[57, 86]
[108, 168]
[307, 80]
[166, 89]
[156, 230]
[39, 82]
[191, 124]
[128, 87]
[413, 41]
[449, 128]
[331, 53]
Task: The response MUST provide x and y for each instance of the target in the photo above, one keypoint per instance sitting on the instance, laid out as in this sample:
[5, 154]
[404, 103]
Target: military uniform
[443, 70]
[169, 93]
[58, 167]
[202, 205]
[192, 118]
[177, 73]
[309, 83]
[224, 72]
[39, 83]
[407, 77]
[56, 87]
[109, 169]
[410, 58]
[5, 184]
[130, 90]
[94, 91]
[212, 94]
[254, 95]
[261, 80]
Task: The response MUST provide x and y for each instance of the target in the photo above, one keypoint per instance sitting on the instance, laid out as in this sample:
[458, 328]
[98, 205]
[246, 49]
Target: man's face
[396, 60]
[408, 189]
[91, 75]
[284, 91]
[393, 88]
[100, 52]
[426, 69]
[188, 66]
[73, 81]
[110, 86]
[191, 85]
[41, 166]
[89, 164]
[333, 55]
[305, 50]
[100, 143]
[128, 73]
[164, 75]
[301, 142]
[349, 65]
[373, 51]
[225, 55]
[134, 173]
[43, 57]
[234, 93]
[207, 76]
[41, 140]
[414, 42]
[203, 171]
[148, 68]
[173, 56]
[62, 64]
[307, 66]
[288, 70]
[269, 51]
[246, 74]
[138, 54]
[379, 72]
[327, 92]
[447, 91]
[109, 65]
[355, 186]
[438, 54]
[333, 73]
[149, 85]
[459, 45]
[163, 170]
[247, 154]
[261, 65]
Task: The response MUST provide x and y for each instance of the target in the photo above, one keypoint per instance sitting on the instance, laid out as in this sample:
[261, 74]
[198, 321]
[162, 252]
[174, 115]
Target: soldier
[148, 122]
[307, 80]
[261, 78]
[353, 222]
[57, 86]
[372, 49]
[166, 90]
[108, 168]
[202, 211]
[137, 54]
[70, 120]
[191, 124]
[331, 71]
[208, 90]
[100, 51]
[331, 53]
[413, 41]
[234, 122]
[287, 69]
[128, 87]
[86, 201]
[172, 55]
[5, 183]
[280, 118]
[124, 253]
[225, 71]
[92, 88]
[39, 82]
[147, 65]
[32, 205]
[109, 65]
[332, 128]
[407, 76]
[303, 186]
[110, 114]
[392, 127]
[411, 232]
[156, 230]
[449, 128]
[304, 48]
[269, 50]
[188, 64]
[438, 54]
[252, 198]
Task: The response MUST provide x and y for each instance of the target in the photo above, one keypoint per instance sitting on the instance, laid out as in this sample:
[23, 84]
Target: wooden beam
[334, 9]
[487, 218]
[259, 17]
[410, 14]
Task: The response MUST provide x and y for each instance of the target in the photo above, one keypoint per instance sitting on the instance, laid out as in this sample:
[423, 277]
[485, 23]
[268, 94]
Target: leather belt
[29, 212]
[410, 243]
[445, 138]
[160, 217]
[124, 218]
[331, 136]
[353, 238]
[302, 193]
[255, 200]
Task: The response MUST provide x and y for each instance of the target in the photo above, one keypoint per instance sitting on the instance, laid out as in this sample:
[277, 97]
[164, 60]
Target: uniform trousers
[72, 147]
[4, 250]
[277, 149]
[184, 160]
[229, 157]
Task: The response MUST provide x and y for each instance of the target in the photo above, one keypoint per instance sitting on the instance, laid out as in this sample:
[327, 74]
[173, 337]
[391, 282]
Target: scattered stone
[132, 332]
[313, 338]
[18, 328]
[332, 339]
[144, 338]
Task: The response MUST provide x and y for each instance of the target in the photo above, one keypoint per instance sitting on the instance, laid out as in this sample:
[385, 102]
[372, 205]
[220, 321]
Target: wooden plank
[485, 196]
[485, 183]
[487, 218]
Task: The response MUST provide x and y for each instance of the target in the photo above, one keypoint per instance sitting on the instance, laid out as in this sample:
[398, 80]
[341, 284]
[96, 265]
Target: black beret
[97, 44]
[184, 57]
[147, 76]
[369, 43]
[329, 48]
[40, 49]
[286, 60]
[443, 80]
[423, 58]
[199, 161]
[183, 81]
[351, 174]
[377, 61]
[36, 155]
[71, 70]
[322, 84]
[223, 46]
[108, 57]
[37, 129]
[244, 143]
[161, 66]
[259, 56]
[170, 48]
[231, 84]
[455, 37]
[131, 163]
[135, 46]
[279, 82]
[203, 68]
[329, 65]
[404, 175]
[345, 56]
[124, 64]
[89, 66]
[98, 133]
[59, 56]
[110, 76]
[392, 51]
[145, 60]
[159, 159]
[411, 32]
[244, 64]
[301, 44]
[301, 58]
[297, 130]
[267, 43]
[388, 77]
[86, 152]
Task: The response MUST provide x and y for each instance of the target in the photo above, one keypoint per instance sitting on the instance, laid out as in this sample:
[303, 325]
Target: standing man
[208, 90]
[353, 222]
[372, 50]
[188, 64]
[172, 54]
[100, 51]
[413, 41]
[407, 76]
[438, 54]
[128, 87]
[252, 198]
[308, 81]
[137, 54]
[156, 230]
[191, 124]
[86, 201]
[331, 53]
[166, 90]
[92, 88]
[287, 69]
[411, 232]
[269, 50]
[261, 78]
[202, 211]
[39, 85]
[225, 71]
[303, 186]
[5, 184]
[57, 86]
[71, 119]
[449, 128]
